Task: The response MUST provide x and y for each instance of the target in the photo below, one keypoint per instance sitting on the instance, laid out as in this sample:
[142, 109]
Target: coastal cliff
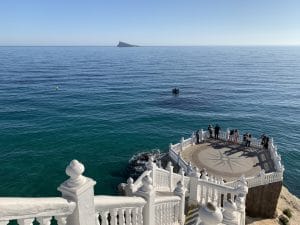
[286, 201]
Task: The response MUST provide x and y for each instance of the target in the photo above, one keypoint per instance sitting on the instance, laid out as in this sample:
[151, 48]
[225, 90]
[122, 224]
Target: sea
[102, 105]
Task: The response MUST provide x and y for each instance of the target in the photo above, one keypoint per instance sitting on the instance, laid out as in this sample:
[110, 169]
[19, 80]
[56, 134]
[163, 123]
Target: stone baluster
[180, 191]
[44, 220]
[210, 215]
[104, 217]
[227, 135]
[229, 214]
[113, 216]
[27, 221]
[140, 218]
[121, 216]
[61, 220]
[170, 169]
[193, 199]
[79, 189]
[193, 138]
[181, 143]
[128, 219]
[189, 169]
[201, 136]
[147, 192]
[134, 216]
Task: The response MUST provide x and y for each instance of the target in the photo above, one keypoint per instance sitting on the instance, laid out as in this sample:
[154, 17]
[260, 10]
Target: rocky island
[124, 44]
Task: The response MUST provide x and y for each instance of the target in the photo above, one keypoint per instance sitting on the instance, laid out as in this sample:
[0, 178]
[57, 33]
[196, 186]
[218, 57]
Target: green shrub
[284, 220]
[288, 213]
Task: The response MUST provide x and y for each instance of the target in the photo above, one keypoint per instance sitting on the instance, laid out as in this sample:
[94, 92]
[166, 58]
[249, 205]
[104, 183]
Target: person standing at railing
[248, 139]
[210, 130]
[236, 136]
[217, 131]
[197, 137]
[231, 135]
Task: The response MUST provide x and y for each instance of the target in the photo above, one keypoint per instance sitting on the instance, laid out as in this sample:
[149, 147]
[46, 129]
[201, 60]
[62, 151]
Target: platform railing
[176, 150]
[167, 210]
[119, 210]
[42, 210]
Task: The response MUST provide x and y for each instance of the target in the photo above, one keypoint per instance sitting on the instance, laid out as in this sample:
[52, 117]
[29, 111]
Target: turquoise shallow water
[101, 105]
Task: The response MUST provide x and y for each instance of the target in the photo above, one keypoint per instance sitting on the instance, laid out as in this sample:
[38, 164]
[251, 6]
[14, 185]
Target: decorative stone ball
[75, 169]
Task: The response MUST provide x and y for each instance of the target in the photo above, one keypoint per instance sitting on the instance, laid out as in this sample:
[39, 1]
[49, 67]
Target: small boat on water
[175, 91]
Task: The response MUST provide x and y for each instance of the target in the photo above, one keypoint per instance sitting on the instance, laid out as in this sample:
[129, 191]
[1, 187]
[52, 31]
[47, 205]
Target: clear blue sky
[150, 22]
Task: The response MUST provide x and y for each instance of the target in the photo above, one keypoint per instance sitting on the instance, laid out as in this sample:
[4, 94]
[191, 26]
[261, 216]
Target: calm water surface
[101, 105]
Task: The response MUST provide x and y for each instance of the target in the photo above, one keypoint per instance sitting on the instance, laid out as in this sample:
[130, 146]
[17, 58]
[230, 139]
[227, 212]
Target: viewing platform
[228, 160]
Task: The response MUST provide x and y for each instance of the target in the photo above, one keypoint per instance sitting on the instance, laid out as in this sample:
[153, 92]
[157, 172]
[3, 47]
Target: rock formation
[124, 44]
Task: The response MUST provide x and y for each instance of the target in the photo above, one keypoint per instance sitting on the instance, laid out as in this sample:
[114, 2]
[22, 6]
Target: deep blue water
[101, 105]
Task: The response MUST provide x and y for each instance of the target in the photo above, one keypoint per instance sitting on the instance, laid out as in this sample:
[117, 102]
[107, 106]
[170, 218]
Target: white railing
[175, 155]
[261, 179]
[27, 210]
[167, 210]
[119, 210]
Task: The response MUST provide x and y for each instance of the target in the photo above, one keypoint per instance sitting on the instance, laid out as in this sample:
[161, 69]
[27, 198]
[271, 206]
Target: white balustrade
[119, 210]
[167, 210]
[26, 210]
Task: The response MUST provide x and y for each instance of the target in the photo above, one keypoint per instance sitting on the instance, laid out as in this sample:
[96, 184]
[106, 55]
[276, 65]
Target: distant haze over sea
[101, 105]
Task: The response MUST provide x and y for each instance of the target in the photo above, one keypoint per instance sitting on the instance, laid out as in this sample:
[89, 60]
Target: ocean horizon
[102, 104]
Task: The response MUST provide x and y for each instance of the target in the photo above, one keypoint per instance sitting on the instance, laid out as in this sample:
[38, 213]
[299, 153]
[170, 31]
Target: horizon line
[204, 45]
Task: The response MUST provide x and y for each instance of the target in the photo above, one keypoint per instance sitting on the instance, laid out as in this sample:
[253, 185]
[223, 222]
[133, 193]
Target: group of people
[212, 130]
[247, 139]
[215, 130]
[234, 135]
[265, 141]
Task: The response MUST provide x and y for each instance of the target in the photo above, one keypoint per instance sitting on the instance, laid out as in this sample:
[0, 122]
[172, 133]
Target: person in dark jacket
[217, 131]
[197, 137]
[210, 130]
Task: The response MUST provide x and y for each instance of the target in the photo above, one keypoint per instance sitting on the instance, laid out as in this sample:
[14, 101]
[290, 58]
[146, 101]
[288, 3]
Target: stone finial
[130, 181]
[147, 184]
[75, 170]
[169, 166]
[170, 146]
[242, 187]
[150, 164]
[210, 215]
[179, 190]
[196, 172]
[222, 181]
[129, 187]
[181, 172]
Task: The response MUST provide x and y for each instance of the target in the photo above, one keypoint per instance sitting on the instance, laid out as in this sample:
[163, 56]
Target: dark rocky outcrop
[262, 200]
[124, 44]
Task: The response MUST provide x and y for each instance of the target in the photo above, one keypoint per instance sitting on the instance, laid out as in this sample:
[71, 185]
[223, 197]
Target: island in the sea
[124, 44]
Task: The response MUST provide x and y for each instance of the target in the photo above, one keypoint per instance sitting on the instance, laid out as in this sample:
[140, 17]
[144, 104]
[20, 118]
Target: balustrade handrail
[260, 179]
[166, 199]
[22, 208]
[217, 186]
[104, 202]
